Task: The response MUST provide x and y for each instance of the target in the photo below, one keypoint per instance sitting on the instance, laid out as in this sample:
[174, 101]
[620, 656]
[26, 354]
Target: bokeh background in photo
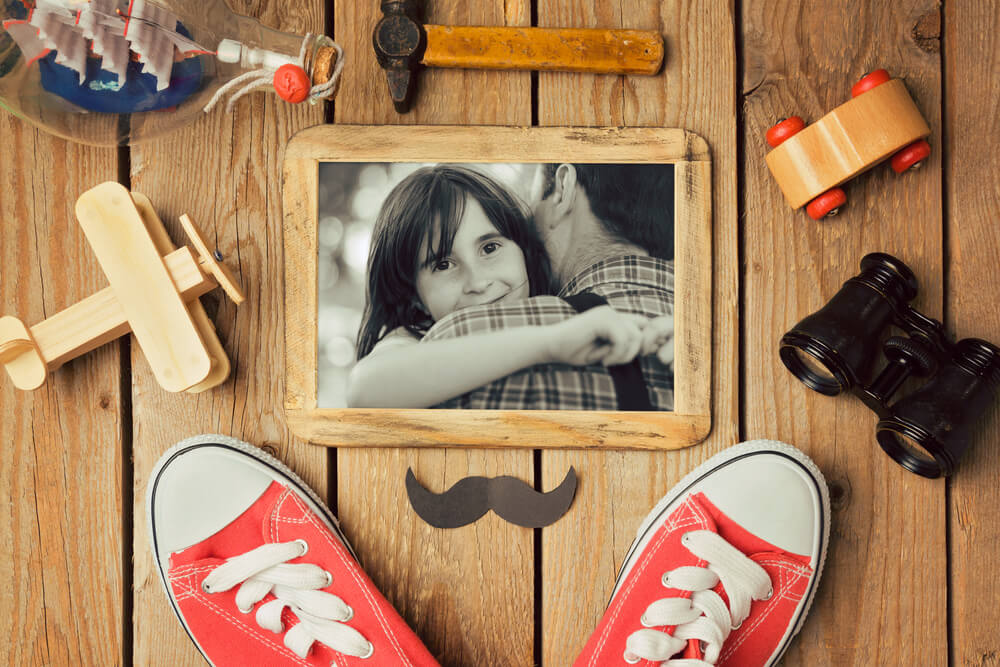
[350, 197]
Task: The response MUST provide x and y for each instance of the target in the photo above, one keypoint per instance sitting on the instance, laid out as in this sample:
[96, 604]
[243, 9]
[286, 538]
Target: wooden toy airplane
[880, 121]
[153, 293]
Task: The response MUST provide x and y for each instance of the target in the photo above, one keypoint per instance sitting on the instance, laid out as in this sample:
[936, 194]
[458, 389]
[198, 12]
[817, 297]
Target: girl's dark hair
[424, 211]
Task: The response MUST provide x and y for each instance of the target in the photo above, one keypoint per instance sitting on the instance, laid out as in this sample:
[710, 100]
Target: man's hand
[600, 335]
[658, 337]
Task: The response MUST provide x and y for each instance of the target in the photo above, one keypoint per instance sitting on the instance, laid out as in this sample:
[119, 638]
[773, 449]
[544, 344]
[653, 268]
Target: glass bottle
[109, 72]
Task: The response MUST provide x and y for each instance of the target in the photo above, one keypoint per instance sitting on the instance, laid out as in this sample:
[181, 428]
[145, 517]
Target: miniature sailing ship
[90, 70]
[108, 56]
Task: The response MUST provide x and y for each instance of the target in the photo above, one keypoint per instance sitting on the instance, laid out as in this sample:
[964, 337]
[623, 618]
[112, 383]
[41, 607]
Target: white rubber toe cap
[770, 488]
[199, 490]
[771, 496]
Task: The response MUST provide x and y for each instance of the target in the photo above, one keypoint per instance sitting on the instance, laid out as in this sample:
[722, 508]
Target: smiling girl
[448, 238]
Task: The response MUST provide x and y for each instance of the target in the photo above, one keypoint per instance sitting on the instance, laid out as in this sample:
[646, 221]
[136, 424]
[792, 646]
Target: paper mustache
[510, 498]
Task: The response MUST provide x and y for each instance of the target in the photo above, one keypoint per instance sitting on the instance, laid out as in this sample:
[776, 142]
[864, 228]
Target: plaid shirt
[632, 284]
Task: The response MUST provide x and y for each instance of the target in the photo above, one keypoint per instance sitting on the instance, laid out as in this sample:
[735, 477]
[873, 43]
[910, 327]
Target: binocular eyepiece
[836, 348]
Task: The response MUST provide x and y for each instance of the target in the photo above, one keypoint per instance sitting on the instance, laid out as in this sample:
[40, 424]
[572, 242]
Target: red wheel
[869, 81]
[826, 204]
[784, 129]
[911, 156]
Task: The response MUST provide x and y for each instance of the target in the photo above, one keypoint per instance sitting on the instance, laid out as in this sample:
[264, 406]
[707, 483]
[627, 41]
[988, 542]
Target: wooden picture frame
[689, 422]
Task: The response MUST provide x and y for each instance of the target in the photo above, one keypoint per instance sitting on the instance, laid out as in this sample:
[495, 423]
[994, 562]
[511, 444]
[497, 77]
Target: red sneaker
[724, 568]
[256, 568]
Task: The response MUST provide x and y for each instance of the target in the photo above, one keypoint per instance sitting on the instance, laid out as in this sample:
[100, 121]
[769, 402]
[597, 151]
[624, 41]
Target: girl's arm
[411, 375]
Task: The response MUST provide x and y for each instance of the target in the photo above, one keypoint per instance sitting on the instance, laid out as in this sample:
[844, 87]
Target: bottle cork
[325, 61]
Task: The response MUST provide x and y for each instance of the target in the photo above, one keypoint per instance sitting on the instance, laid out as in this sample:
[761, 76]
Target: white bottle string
[263, 77]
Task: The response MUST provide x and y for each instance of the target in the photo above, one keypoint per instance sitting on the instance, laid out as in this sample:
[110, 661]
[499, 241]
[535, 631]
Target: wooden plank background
[907, 579]
[972, 199]
[888, 551]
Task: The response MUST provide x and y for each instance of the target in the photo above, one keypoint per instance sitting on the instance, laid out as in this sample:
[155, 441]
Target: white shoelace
[704, 616]
[322, 615]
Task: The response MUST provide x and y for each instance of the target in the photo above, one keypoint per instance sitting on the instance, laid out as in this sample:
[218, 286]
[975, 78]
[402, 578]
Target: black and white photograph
[507, 286]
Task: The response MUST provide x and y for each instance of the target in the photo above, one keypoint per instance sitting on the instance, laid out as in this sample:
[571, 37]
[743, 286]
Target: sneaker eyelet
[631, 659]
[686, 538]
[304, 545]
[665, 580]
[245, 611]
[769, 594]
[205, 587]
[735, 627]
[329, 579]
[645, 621]
[350, 615]
[371, 651]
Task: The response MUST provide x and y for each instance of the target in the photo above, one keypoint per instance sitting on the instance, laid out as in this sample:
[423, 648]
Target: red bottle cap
[292, 83]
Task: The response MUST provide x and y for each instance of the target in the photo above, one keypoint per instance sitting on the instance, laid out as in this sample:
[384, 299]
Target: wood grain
[62, 466]
[885, 577]
[581, 553]
[482, 429]
[206, 328]
[688, 424]
[21, 355]
[972, 60]
[225, 172]
[544, 49]
[157, 315]
[693, 268]
[468, 592]
[457, 143]
[99, 318]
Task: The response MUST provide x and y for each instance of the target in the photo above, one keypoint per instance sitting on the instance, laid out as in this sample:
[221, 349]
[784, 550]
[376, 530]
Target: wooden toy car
[880, 121]
[153, 292]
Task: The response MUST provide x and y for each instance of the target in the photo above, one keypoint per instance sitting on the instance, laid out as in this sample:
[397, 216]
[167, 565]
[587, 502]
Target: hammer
[403, 44]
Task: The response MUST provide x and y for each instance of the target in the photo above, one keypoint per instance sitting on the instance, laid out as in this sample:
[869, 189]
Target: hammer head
[400, 41]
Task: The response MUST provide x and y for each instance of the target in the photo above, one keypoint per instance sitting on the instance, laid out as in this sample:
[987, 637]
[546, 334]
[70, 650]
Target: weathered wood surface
[886, 575]
[972, 162]
[582, 552]
[468, 592]
[223, 171]
[61, 537]
[74, 446]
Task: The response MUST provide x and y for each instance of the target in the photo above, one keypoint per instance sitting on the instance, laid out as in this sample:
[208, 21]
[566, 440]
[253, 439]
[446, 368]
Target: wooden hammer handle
[591, 50]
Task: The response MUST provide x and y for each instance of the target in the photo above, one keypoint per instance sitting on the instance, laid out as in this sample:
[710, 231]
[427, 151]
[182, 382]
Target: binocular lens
[835, 348]
[929, 430]
[808, 366]
[913, 448]
[906, 445]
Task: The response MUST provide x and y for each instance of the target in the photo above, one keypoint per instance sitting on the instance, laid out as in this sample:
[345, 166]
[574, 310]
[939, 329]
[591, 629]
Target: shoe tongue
[703, 509]
[733, 533]
[693, 515]
[248, 531]
[703, 517]
[739, 537]
[692, 651]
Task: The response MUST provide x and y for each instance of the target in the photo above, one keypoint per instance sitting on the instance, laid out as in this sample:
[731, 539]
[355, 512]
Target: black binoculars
[835, 349]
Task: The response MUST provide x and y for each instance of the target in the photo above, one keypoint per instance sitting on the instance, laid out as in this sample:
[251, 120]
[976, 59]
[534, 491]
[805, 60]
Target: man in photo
[608, 232]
